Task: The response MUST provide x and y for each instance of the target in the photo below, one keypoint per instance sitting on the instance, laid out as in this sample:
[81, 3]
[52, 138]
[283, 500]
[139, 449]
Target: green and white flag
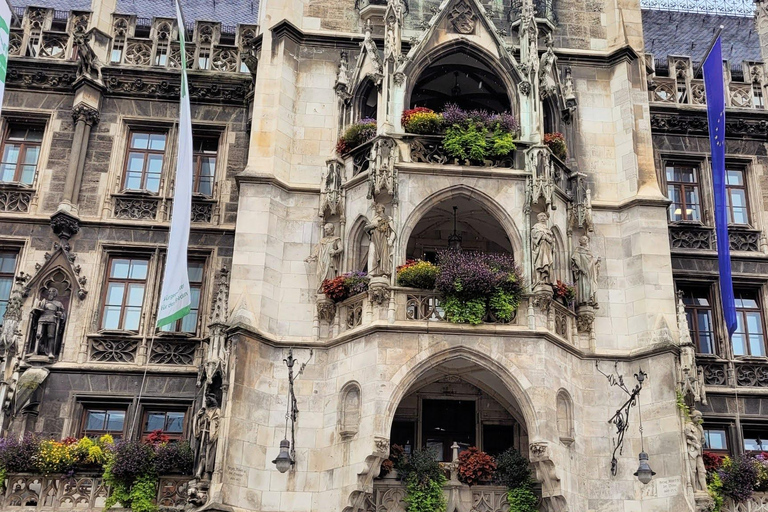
[5, 33]
[175, 296]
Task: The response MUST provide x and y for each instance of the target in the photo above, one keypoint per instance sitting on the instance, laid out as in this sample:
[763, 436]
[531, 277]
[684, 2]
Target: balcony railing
[84, 493]
[389, 496]
[669, 90]
[428, 149]
[757, 503]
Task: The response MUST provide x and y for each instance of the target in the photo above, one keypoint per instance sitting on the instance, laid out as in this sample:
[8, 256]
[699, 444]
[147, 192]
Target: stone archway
[500, 233]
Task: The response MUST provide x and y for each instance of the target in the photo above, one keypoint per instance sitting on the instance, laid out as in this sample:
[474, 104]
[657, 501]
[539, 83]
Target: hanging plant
[475, 466]
[417, 274]
[357, 133]
[342, 287]
[477, 135]
[422, 121]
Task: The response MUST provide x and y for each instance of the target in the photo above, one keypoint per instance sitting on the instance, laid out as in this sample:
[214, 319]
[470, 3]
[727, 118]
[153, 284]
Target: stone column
[761, 24]
[84, 117]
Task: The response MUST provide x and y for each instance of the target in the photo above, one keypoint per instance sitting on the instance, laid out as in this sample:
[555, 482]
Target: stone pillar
[101, 14]
[84, 117]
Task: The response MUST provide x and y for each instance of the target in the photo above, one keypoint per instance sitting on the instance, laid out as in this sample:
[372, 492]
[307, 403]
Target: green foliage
[420, 464]
[417, 274]
[138, 494]
[680, 399]
[425, 496]
[461, 311]
[502, 143]
[512, 469]
[715, 488]
[522, 499]
[466, 142]
[3, 475]
[503, 305]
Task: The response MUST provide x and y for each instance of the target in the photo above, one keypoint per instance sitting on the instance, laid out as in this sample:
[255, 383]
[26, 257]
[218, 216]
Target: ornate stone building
[292, 400]
[89, 141]
[728, 379]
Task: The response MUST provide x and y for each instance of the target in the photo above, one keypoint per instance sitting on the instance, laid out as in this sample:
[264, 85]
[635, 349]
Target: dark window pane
[155, 421]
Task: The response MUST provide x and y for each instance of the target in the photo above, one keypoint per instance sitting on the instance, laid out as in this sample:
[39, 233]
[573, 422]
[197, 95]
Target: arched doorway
[476, 227]
[463, 402]
[461, 78]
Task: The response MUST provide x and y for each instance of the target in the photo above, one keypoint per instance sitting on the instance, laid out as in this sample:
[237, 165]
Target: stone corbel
[552, 499]
[357, 498]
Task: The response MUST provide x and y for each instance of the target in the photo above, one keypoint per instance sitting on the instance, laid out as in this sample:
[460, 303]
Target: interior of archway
[367, 100]
[462, 79]
[459, 401]
[478, 229]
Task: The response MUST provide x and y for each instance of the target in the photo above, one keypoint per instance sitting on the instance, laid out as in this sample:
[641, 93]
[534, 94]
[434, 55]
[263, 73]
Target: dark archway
[478, 228]
[461, 78]
[366, 100]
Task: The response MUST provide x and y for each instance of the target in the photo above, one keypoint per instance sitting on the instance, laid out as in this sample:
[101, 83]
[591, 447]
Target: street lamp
[644, 472]
[287, 456]
[454, 240]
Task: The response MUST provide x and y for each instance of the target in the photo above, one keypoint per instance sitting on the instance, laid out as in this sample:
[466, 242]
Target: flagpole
[711, 45]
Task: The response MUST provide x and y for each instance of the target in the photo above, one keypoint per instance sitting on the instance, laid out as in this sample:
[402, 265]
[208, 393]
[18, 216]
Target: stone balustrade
[757, 503]
[389, 496]
[81, 492]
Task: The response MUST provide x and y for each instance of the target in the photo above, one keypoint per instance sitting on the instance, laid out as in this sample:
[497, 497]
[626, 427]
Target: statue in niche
[48, 324]
[694, 439]
[382, 240]
[330, 197]
[206, 431]
[327, 253]
[586, 269]
[543, 243]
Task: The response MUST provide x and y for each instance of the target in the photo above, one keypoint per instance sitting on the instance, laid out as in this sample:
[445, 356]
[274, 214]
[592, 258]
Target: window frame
[128, 150]
[693, 327]
[24, 146]
[105, 287]
[745, 187]
[758, 309]
[697, 185]
[748, 425]
[148, 409]
[17, 252]
[201, 286]
[726, 428]
[198, 155]
[105, 406]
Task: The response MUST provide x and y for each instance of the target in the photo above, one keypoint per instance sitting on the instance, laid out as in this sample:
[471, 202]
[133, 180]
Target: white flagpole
[6, 15]
[175, 296]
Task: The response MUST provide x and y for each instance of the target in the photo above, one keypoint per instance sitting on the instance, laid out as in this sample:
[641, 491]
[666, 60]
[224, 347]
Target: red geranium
[408, 113]
[475, 466]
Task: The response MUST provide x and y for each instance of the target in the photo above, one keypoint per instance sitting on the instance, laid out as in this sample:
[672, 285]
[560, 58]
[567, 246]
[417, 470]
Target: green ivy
[680, 398]
[715, 489]
[425, 496]
[138, 496]
[464, 311]
[522, 499]
[503, 305]
[466, 142]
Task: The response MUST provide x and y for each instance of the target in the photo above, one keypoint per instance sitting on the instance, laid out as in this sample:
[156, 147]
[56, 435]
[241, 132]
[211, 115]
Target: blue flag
[715, 91]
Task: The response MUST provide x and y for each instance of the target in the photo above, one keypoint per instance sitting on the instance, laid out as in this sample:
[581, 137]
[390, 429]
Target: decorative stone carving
[690, 377]
[586, 269]
[331, 195]
[714, 374]
[12, 200]
[350, 410]
[744, 240]
[85, 113]
[393, 19]
[224, 60]
[428, 151]
[202, 211]
[173, 352]
[694, 440]
[690, 237]
[88, 64]
[138, 53]
[217, 352]
[378, 290]
[48, 319]
[580, 211]
[382, 235]
[135, 208]
[752, 375]
[11, 338]
[540, 184]
[463, 17]
[382, 445]
[206, 431]
[551, 494]
[326, 309]
[546, 63]
[113, 350]
[342, 78]
[543, 248]
[327, 254]
[585, 318]
[382, 170]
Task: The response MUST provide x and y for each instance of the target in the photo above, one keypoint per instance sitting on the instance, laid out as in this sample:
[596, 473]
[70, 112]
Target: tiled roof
[683, 33]
[228, 12]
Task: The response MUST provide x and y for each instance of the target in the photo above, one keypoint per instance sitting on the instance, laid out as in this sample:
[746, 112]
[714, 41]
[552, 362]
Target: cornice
[286, 29]
[596, 59]
[738, 123]
[268, 179]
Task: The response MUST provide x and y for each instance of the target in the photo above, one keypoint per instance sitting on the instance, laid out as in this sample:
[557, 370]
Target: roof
[689, 34]
[228, 12]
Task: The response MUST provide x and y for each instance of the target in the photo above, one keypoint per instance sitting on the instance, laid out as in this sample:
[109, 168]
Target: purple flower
[452, 114]
[18, 456]
[740, 478]
[356, 281]
[469, 275]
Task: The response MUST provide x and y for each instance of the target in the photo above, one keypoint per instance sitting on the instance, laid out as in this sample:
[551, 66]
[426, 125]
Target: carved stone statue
[331, 194]
[327, 253]
[87, 62]
[694, 439]
[382, 240]
[543, 244]
[206, 431]
[586, 269]
[50, 323]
